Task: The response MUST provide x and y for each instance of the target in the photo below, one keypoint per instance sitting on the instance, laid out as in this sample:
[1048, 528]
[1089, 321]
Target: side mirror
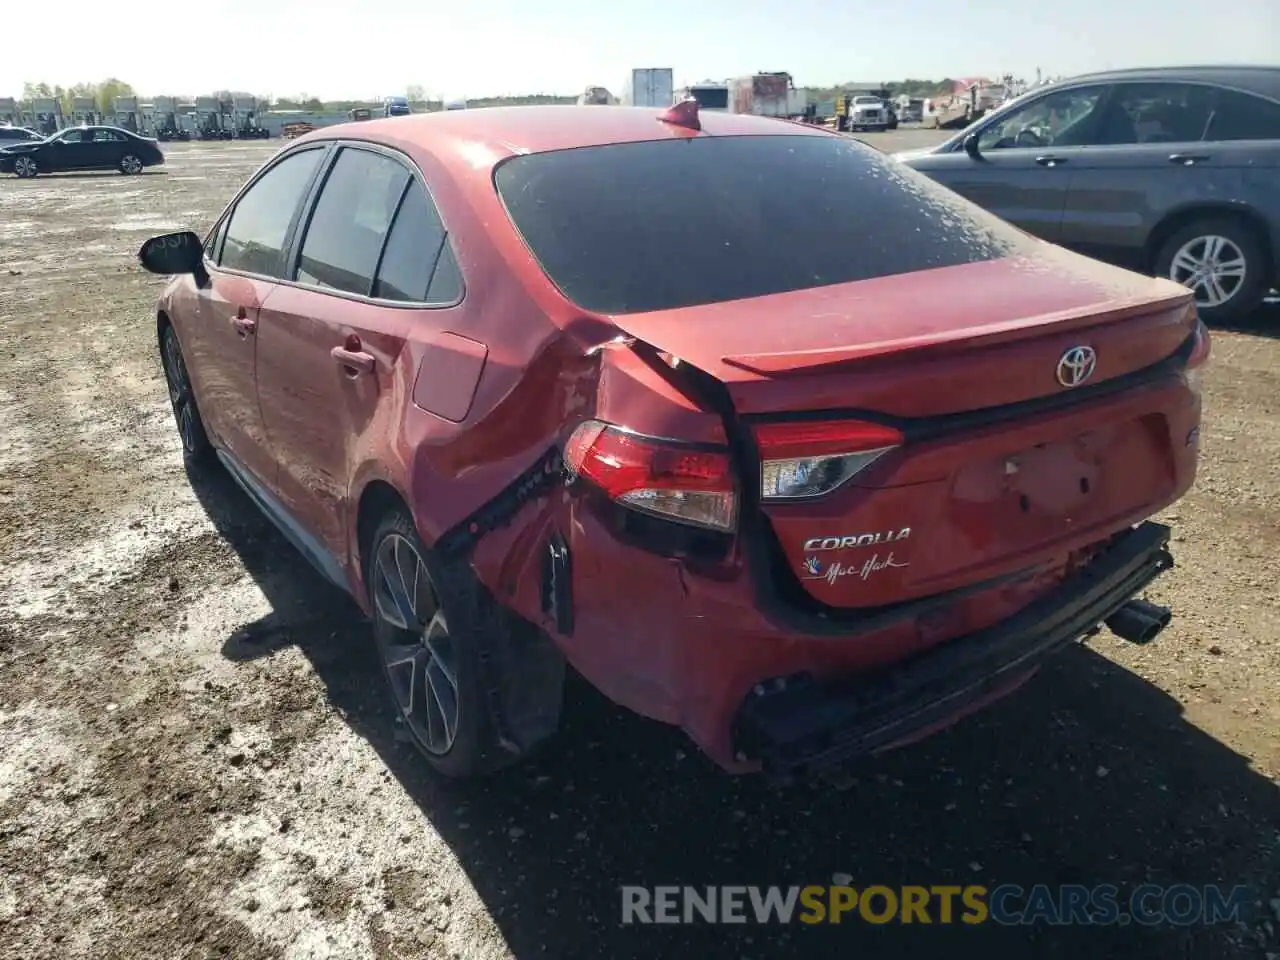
[174, 253]
[971, 146]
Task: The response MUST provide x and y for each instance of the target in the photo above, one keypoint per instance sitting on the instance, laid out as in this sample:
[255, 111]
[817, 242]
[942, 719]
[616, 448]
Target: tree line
[105, 93]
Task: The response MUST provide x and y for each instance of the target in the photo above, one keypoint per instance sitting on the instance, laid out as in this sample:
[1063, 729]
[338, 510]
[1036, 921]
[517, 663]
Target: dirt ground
[195, 760]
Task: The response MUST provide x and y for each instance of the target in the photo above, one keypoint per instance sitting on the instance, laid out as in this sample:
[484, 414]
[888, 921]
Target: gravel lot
[194, 759]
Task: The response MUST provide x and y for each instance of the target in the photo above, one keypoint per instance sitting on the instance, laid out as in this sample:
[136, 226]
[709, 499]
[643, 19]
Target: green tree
[34, 91]
[108, 90]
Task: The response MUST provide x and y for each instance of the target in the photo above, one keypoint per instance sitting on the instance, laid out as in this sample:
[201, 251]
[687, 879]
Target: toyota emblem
[1076, 366]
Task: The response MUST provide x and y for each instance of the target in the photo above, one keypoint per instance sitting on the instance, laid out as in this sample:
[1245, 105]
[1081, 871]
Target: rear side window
[260, 222]
[418, 266]
[1239, 116]
[633, 227]
[351, 219]
[1155, 113]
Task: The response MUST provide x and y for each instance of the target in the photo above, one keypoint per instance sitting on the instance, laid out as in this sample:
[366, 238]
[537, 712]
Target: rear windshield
[635, 227]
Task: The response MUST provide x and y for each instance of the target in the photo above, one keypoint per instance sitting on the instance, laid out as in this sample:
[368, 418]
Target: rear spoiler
[784, 363]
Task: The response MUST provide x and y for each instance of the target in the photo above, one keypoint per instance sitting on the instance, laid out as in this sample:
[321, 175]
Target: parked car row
[1172, 172]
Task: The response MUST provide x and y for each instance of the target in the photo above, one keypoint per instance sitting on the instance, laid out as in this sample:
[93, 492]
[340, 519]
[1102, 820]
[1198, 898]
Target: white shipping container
[649, 87]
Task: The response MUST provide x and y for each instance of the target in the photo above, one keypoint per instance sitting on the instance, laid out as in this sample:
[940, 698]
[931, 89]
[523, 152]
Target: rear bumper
[797, 726]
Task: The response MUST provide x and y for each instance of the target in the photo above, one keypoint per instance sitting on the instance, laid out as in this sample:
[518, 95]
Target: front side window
[213, 245]
[1154, 113]
[351, 219]
[259, 224]
[72, 136]
[711, 219]
[1241, 116]
[1058, 119]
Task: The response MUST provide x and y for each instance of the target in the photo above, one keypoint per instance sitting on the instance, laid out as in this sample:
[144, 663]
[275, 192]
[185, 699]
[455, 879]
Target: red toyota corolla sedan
[763, 433]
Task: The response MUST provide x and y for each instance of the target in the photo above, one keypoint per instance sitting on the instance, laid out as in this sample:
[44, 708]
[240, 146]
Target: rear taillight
[665, 478]
[809, 459]
[1193, 373]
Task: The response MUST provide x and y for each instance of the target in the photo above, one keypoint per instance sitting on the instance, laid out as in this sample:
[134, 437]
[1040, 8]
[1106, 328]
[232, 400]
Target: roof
[488, 135]
[1263, 80]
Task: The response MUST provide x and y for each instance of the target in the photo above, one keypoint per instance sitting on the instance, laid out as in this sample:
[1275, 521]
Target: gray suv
[1172, 171]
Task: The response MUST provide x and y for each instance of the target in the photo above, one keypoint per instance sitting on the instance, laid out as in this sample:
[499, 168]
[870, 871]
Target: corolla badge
[1076, 366]
[854, 540]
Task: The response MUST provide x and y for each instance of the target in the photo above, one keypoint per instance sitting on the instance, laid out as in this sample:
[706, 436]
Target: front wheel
[131, 163]
[25, 167]
[429, 624]
[1222, 262]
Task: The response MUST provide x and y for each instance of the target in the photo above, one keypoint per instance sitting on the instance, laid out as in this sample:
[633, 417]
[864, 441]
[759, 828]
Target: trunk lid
[927, 343]
[963, 498]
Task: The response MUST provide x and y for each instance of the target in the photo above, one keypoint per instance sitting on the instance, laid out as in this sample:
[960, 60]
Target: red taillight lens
[809, 459]
[654, 476]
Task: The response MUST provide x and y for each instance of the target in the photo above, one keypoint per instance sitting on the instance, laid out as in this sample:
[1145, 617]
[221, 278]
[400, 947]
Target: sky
[474, 48]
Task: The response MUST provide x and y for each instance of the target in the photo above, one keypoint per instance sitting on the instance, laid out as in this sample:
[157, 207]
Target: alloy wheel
[131, 164]
[180, 395]
[1212, 266]
[24, 167]
[417, 651]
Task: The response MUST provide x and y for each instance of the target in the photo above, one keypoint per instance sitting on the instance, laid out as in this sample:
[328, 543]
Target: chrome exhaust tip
[1139, 622]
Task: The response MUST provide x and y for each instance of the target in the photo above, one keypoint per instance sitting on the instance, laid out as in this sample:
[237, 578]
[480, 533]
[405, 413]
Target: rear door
[1023, 172]
[370, 253]
[106, 147]
[1144, 159]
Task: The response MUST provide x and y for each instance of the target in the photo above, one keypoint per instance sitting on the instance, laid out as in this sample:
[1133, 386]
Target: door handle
[1188, 159]
[1050, 161]
[243, 323]
[355, 362]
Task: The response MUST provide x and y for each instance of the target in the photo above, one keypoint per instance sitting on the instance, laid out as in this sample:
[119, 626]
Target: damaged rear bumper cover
[796, 726]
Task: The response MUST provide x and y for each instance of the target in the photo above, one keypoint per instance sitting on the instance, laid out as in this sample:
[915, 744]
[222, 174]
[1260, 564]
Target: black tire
[25, 167]
[471, 617]
[1248, 294]
[197, 451]
[131, 164]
